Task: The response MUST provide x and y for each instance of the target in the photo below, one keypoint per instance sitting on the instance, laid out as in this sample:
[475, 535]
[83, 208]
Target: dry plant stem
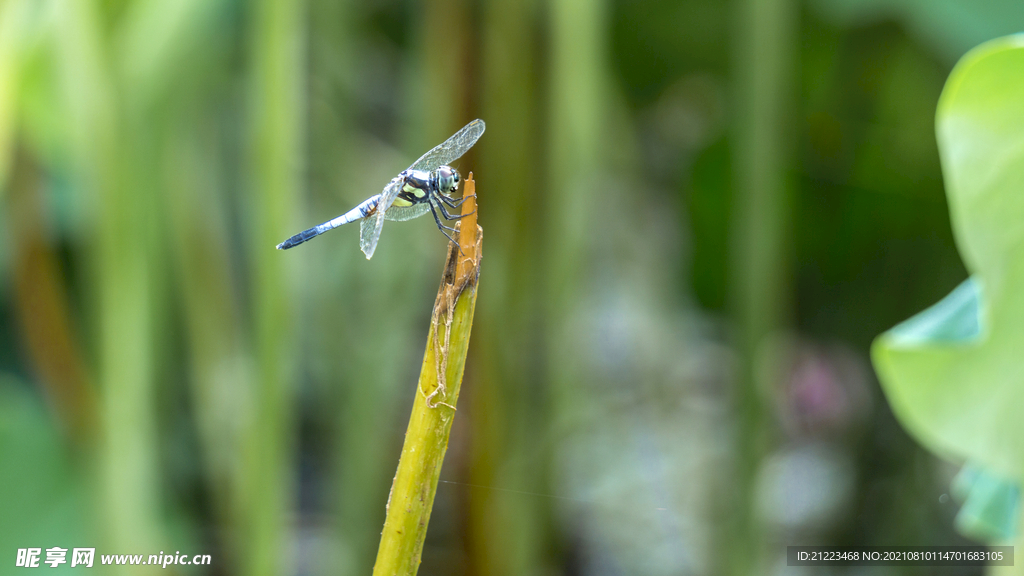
[43, 310]
[426, 440]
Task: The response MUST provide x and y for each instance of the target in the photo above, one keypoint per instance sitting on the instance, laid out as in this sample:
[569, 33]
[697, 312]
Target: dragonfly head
[447, 179]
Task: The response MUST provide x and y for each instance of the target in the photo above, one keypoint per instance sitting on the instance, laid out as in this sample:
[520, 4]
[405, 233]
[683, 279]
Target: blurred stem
[276, 122]
[121, 268]
[43, 312]
[444, 70]
[426, 439]
[501, 533]
[203, 267]
[578, 127]
[11, 23]
[764, 82]
[577, 168]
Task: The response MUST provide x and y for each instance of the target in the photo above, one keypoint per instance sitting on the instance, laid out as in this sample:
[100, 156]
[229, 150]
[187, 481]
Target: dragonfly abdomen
[364, 209]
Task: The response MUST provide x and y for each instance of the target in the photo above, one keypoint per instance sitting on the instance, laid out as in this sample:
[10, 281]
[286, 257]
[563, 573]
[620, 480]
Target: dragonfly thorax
[419, 185]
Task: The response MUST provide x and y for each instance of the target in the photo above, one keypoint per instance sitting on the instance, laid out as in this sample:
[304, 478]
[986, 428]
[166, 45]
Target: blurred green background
[697, 215]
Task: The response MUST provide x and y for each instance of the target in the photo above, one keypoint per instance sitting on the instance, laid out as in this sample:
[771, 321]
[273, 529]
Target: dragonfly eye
[447, 179]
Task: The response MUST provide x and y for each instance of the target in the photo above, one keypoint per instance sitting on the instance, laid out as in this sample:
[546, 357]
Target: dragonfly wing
[402, 213]
[369, 233]
[370, 227]
[452, 148]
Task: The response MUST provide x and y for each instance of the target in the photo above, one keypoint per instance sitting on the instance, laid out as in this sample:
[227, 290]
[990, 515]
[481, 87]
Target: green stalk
[122, 266]
[502, 534]
[278, 77]
[766, 48]
[426, 440]
[10, 72]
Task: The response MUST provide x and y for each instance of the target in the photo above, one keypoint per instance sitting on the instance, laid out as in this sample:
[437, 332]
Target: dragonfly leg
[444, 212]
[440, 226]
[449, 202]
[448, 216]
[455, 203]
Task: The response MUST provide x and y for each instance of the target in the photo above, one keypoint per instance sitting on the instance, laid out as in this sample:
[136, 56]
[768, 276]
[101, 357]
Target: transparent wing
[369, 233]
[370, 227]
[452, 148]
[402, 213]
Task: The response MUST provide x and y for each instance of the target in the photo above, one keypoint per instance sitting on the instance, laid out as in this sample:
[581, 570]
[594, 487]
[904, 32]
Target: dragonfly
[428, 185]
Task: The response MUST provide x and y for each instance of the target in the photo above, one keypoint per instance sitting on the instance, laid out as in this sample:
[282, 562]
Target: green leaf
[954, 374]
[45, 503]
[990, 504]
[954, 319]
